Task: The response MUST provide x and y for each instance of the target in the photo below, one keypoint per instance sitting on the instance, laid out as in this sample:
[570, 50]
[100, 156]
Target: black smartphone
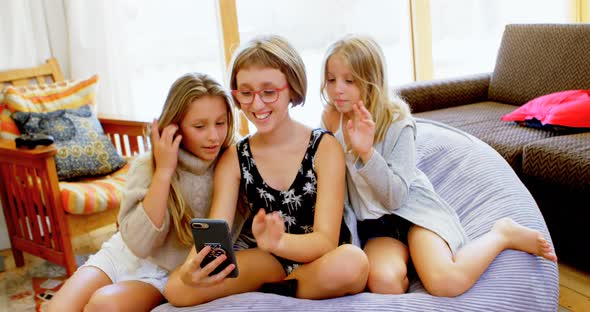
[46, 296]
[215, 234]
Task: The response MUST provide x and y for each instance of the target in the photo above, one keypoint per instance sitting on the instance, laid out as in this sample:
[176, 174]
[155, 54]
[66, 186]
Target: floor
[574, 295]
[574, 289]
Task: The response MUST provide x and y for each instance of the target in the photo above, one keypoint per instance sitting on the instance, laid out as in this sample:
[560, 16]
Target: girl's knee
[352, 267]
[447, 284]
[64, 301]
[391, 280]
[103, 300]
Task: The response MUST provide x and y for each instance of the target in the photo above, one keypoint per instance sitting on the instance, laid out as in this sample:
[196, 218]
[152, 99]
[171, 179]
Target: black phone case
[214, 233]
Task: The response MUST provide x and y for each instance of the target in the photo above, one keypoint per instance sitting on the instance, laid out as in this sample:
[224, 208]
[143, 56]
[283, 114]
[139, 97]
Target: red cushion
[566, 108]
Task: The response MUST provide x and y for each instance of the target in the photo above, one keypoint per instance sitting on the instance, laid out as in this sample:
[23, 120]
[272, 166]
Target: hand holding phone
[214, 246]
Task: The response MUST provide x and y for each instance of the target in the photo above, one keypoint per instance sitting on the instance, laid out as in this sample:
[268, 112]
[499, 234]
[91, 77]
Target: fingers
[195, 263]
[260, 216]
[364, 111]
[274, 217]
[226, 271]
[350, 126]
[168, 134]
[155, 130]
[275, 220]
[177, 141]
[217, 278]
[200, 276]
[206, 270]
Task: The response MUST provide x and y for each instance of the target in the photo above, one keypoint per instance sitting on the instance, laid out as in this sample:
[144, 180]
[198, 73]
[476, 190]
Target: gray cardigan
[400, 187]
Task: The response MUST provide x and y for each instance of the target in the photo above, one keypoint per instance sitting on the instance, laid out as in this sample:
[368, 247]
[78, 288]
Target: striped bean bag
[479, 183]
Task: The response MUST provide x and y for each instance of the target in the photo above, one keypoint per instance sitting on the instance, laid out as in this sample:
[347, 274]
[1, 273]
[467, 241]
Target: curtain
[85, 36]
[23, 43]
[138, 48]
[24, 39]
[96, 44]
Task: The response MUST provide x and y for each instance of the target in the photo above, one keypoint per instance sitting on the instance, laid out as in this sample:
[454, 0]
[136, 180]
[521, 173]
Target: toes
[551, 256]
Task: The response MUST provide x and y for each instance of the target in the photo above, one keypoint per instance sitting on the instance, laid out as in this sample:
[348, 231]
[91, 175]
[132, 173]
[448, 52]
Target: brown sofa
[533, 60]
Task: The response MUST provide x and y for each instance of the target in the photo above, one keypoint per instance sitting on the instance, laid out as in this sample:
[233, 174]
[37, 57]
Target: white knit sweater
[142, 237]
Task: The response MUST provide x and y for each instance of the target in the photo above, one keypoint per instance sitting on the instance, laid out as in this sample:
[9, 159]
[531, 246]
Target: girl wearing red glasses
[290, 179]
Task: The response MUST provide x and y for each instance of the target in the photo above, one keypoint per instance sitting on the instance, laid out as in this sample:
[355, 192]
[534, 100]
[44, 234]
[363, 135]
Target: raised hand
[165, 148]
[192, 274]
[268, 229]
[361, 131]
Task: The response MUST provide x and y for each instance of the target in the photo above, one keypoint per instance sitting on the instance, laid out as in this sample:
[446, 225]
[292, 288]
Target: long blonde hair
[182, 93]
[274, 52]
[367, 65]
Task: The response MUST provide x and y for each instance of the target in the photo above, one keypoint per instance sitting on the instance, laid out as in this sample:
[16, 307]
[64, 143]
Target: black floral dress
[296, 205]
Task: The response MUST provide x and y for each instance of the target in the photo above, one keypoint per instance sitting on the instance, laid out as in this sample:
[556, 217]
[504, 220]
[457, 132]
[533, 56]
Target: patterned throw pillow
[69, 94]
[82, 147]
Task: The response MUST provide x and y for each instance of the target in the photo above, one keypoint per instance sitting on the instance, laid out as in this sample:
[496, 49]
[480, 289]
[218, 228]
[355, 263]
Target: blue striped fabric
[477, 181]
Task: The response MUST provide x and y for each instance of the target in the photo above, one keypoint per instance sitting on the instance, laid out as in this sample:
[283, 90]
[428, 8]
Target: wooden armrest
[9, 151]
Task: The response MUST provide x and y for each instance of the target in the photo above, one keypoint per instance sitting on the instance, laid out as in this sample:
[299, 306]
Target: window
[166, 40]
[311, 26]
[466, 34]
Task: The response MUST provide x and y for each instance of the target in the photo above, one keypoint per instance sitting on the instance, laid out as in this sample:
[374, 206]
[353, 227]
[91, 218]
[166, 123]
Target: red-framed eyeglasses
[267, 95]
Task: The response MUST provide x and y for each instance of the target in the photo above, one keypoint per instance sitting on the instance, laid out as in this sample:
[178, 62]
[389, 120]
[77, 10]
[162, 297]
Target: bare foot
[524, 239]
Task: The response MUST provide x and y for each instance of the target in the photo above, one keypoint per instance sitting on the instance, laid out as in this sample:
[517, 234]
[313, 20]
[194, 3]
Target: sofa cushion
[538, 60]
[569, 108]
[563, 160]
[92, 195]
[483, 121]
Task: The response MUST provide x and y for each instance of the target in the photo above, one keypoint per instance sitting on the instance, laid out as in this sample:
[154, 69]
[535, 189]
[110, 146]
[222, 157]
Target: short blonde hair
[367, 65]
[185, 90]
[275, 52]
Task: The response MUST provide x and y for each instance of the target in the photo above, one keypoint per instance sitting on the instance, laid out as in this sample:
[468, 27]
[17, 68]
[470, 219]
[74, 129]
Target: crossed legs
[339, 272]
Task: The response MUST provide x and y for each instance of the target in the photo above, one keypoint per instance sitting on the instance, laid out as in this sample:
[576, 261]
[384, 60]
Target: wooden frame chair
[36, 220]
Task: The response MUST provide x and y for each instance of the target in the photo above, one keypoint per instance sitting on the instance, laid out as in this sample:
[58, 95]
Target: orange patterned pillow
[69, 94]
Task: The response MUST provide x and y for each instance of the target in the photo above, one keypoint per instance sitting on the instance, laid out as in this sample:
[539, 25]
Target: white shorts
[120, 264]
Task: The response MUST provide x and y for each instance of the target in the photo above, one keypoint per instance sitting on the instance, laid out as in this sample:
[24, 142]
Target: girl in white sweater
[164, 190]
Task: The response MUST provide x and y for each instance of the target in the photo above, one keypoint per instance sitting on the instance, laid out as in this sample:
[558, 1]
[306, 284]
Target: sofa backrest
[537, 59]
